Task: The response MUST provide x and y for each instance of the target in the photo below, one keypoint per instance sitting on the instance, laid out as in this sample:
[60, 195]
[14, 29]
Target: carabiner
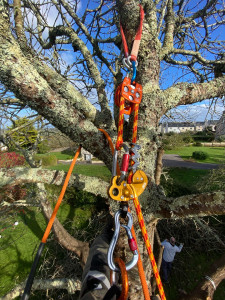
[128, 64]
[125, 162]
[131, 242]
[134, 71]
[115, 155]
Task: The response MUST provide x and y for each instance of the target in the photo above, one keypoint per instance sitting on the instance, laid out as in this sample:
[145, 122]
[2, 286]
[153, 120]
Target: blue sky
[170, 76]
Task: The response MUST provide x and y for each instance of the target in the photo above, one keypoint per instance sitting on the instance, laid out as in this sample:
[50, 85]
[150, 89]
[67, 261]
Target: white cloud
[207, 110]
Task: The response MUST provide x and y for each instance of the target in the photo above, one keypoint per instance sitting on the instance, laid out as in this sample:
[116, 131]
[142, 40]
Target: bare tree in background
[62, 59]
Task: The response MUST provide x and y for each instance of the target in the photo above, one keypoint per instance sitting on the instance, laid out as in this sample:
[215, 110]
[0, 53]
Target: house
[87, 156]
[179, 127]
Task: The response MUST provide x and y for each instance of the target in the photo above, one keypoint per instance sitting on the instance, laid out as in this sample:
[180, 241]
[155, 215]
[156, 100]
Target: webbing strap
[137, 40]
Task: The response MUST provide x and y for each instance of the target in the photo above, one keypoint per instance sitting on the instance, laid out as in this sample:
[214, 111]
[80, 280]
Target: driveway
[173, 160]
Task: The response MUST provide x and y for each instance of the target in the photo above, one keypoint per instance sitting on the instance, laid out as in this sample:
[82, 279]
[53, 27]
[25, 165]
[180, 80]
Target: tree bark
[71, 285]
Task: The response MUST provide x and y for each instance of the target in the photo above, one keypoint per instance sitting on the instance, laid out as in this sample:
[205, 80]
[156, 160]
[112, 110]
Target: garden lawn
[93, 170]
[18, 246]
[59, 155]
[186, 177]
[216, 154]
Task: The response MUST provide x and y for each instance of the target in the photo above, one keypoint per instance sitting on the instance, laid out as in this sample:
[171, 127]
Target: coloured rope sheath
[147, 244]
[119, 141]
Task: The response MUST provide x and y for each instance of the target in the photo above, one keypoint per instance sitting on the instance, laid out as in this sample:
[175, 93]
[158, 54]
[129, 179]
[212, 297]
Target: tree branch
[189, 93]
[88, 35]
[188, 206]
[20, 76]
[14, 176]
[169, 30]
[205, 289]
[69, 284]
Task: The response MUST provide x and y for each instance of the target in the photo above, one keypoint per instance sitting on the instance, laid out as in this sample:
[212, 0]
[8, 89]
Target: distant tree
[23, 133]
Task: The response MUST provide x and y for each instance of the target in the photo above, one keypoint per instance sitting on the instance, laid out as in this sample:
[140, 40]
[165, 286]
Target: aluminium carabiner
[131, 242]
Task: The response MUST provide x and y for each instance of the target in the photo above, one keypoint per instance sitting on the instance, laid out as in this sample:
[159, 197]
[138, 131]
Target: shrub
[48, 160]
[200, 155]
[187, 137]
[172, 141]
[205, 135]
[197, 144]
[43, 147]
[221, 138]
[11, 159]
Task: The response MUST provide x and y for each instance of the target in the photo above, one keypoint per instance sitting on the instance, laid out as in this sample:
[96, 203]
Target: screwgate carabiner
[131, 242]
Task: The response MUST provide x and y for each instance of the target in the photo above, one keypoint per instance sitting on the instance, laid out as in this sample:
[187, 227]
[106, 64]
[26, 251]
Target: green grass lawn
[185, 176]
[93, 170]
[59, 155]
[181, 181]
[18, 246]
[216, 154]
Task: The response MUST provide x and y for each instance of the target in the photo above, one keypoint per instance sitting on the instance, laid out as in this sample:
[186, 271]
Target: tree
[182, 35]
[26, 136]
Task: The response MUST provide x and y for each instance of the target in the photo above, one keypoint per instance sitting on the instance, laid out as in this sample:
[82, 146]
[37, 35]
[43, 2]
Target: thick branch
[21, 77]
[189, 93]
[19, 23]
[185, 206]
[169, 31]
[21, 175]
[71, 285]
[206, 289]
[188, 206]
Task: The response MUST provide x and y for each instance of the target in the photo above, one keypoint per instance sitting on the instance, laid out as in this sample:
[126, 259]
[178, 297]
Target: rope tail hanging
[31, 276]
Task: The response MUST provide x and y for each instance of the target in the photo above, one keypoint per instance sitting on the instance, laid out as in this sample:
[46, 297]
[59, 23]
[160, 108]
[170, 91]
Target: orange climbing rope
[52, 219]
[125, 286]
[147, 243]
[30, 279]
[141, 271]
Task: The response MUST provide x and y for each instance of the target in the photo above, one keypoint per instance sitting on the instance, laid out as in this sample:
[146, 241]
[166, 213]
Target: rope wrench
[131, 182]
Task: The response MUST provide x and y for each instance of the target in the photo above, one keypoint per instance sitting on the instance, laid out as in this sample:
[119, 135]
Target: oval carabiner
[113, 242]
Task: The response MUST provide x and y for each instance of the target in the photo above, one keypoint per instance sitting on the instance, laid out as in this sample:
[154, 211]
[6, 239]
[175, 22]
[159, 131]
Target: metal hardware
[131, 92]
[123, 191]
[118, 190]
[115, 156]
[128, 64]
[212, 282]
[113, 242]
[134, 156]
